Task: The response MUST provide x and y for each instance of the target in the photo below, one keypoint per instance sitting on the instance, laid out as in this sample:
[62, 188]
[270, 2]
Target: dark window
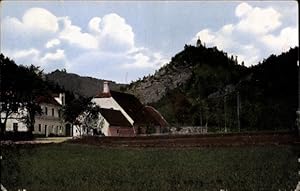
[58, 113]
[40, 127]
[15, 126]
[46, 111]
[52, 111]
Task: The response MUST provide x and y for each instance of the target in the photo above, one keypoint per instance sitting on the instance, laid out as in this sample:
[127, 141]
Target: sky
[126, 40]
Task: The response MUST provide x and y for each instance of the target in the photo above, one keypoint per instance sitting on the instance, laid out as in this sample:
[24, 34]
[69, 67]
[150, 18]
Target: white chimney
[62, 97]
[105, 87]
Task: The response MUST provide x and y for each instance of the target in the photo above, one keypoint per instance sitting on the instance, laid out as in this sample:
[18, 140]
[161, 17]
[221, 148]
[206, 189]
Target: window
[40, 127]
[15, 126]
[46, 111]
[53, 129]
[52, 111]
[58, 113]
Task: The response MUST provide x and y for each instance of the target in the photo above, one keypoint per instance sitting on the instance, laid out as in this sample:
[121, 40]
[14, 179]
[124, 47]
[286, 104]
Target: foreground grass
[83, 167]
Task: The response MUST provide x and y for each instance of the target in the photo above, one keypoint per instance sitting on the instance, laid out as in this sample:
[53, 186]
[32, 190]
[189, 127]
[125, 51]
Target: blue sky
[123, 41]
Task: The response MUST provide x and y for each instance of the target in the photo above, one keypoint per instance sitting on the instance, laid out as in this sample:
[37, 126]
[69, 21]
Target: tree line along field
[86, 167]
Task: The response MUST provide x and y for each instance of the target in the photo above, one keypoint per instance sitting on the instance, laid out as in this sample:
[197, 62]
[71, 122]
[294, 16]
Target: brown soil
[205, 140]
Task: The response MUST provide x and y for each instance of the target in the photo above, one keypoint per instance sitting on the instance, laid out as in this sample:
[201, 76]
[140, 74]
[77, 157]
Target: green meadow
[85, 167]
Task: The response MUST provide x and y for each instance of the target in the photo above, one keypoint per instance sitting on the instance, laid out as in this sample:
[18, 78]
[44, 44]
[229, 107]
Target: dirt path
[45, 140]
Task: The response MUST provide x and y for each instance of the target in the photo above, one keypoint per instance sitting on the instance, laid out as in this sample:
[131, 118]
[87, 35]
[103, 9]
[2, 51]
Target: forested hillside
[218, 92]
[83, 86]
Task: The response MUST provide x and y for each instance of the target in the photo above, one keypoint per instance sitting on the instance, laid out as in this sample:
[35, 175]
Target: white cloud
[139, 61]
[242, 9]
[94, 24]
[227, 29]
[73, 35]
[257, 20]
[143, 58]
[39, 18]
[107, 48]
[116, 34]
[205, 35]
[34, 20]
[58, 55]
[287, 38]
[52, 43]
[24, 56]
[25, 53]
[253, 37]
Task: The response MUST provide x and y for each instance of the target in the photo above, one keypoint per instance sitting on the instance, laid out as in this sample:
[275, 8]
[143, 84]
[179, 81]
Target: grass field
[84, 167]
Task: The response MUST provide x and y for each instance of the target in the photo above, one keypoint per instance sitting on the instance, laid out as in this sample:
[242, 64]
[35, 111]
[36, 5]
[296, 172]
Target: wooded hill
[80, 85]
[204, 86]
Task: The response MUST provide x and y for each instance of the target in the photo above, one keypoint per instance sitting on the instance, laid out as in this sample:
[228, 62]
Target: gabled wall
[103, 125]
[49, 124]
[16, 118]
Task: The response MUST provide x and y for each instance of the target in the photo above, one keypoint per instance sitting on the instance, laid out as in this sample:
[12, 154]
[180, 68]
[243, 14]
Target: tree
[83, 113]
[35, 86]
[91, 117]
[20, 87]
[9, 97]
[182, 109]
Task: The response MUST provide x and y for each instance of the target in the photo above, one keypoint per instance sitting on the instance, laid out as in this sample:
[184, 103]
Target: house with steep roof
[143, 119]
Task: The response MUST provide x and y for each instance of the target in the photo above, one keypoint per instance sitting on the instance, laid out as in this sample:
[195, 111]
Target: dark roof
[47, 99]
[134, 108]
[115, 117]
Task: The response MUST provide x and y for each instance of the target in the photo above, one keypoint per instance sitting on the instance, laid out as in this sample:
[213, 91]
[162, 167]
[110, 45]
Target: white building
[126, 106]
[14, 122]
[50, 122]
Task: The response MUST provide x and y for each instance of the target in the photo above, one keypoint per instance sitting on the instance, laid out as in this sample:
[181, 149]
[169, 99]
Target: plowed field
[204, 140]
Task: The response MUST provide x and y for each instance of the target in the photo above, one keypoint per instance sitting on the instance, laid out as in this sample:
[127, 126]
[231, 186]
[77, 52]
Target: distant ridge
[80, 85]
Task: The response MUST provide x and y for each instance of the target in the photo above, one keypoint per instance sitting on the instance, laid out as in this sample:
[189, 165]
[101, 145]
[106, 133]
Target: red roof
[103, 95]
[47, 99]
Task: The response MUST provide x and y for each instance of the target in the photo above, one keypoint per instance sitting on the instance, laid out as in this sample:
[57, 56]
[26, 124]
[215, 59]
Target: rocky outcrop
[153, 88]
